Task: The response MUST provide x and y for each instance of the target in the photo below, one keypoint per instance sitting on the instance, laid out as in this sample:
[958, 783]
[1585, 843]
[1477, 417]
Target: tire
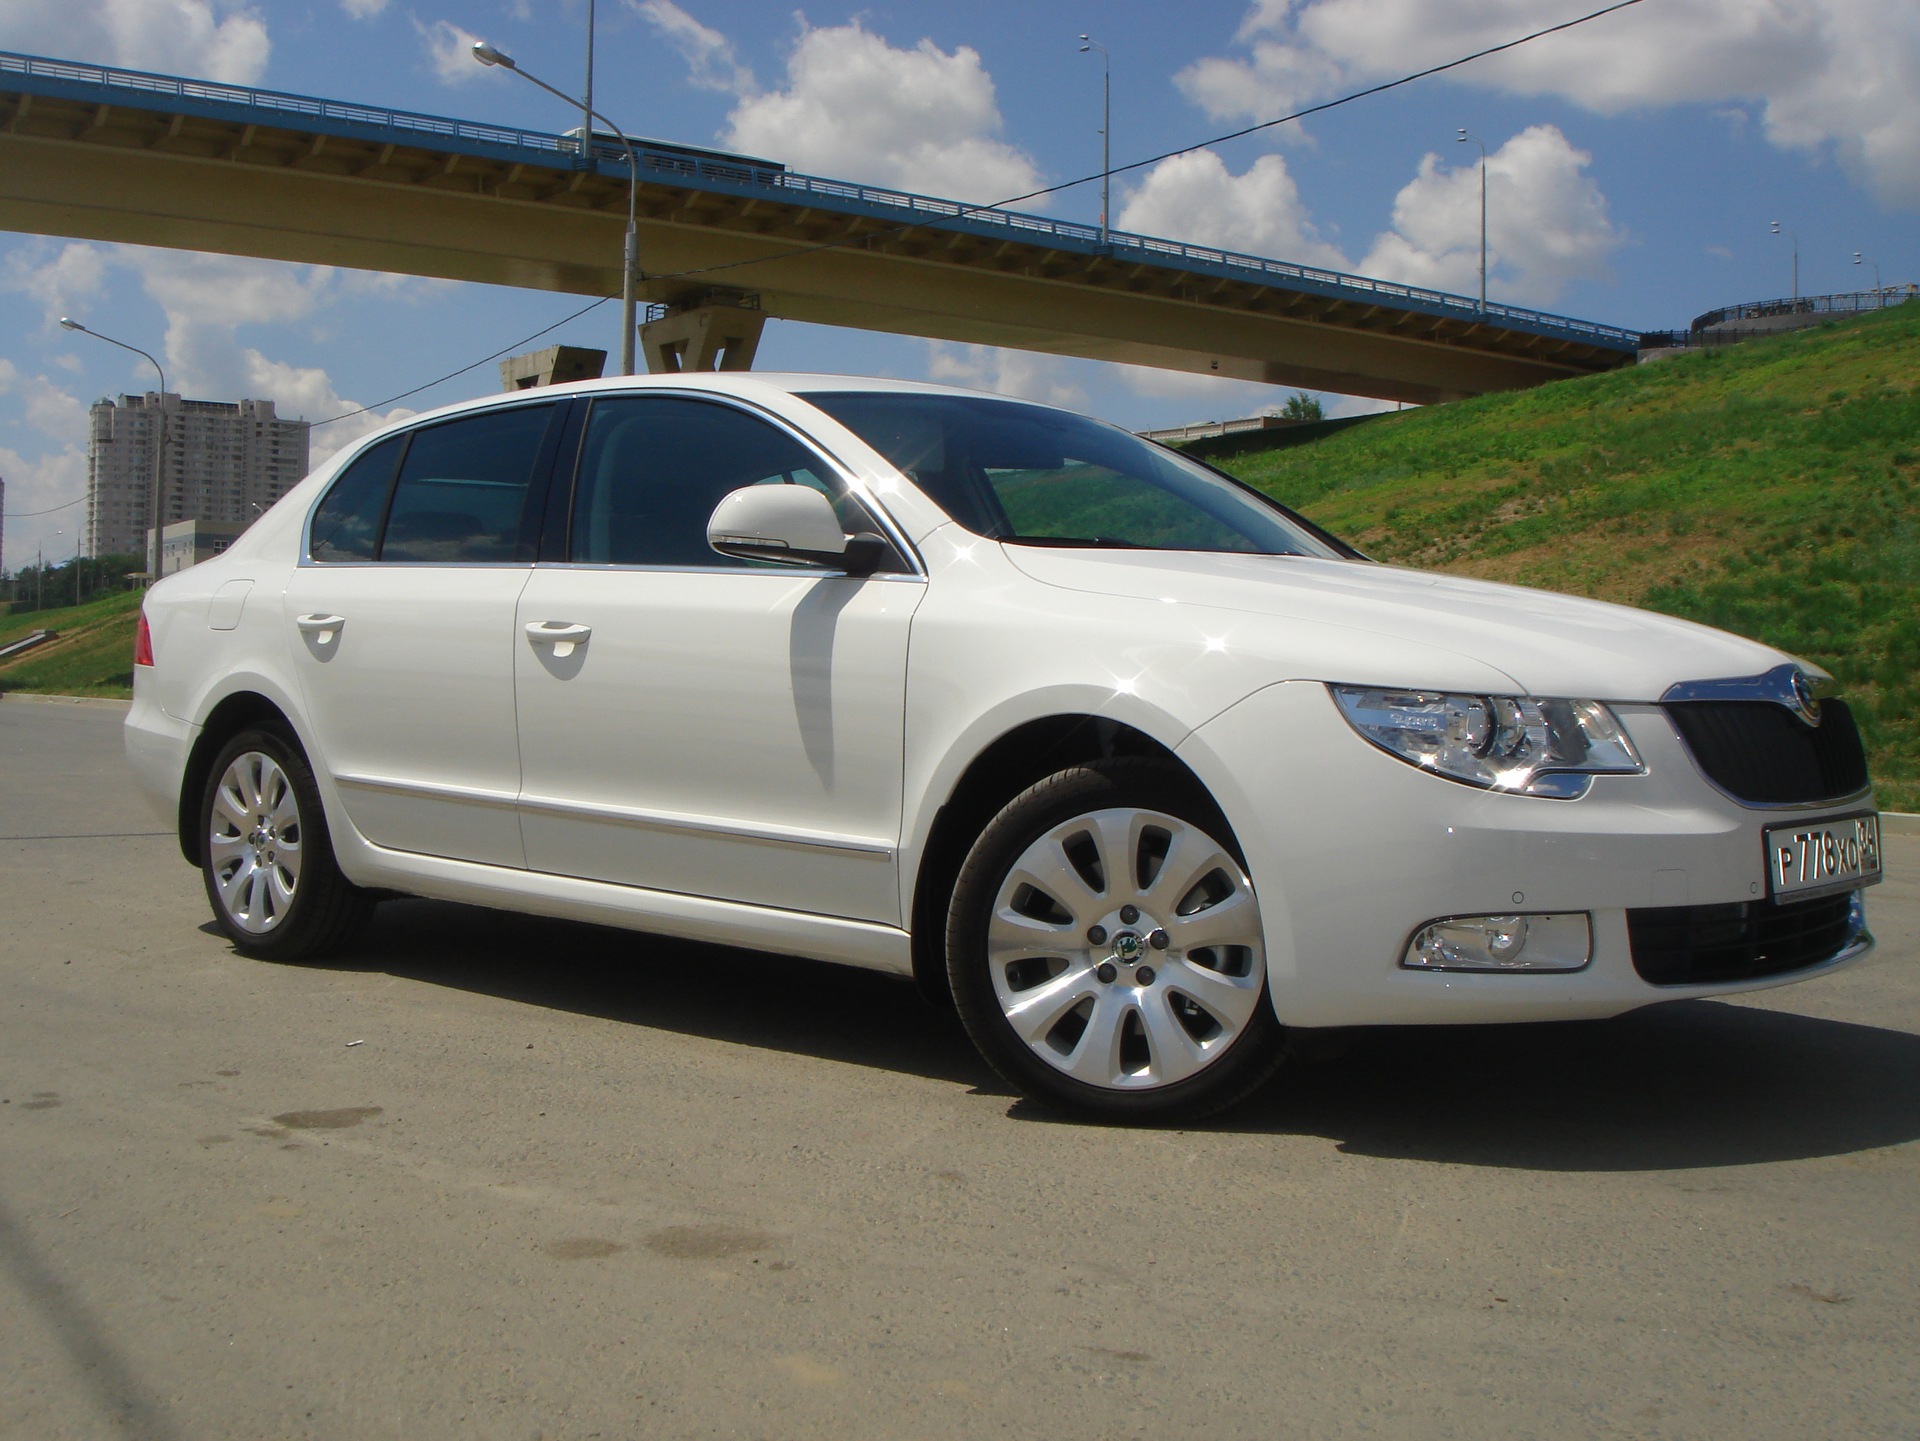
[1105, 951]
[266, 856]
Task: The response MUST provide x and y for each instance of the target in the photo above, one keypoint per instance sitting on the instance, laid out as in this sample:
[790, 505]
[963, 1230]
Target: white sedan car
[1137, 769]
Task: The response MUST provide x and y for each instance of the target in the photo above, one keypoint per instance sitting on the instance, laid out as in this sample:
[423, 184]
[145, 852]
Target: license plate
[1823, 857]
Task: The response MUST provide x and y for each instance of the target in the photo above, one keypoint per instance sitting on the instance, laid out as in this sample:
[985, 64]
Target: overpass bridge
[120, 155]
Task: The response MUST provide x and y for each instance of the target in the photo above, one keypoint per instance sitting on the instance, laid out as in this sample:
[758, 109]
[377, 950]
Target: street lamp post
[1796, 255]
[488, 55]
[1464, 138]
[1106, 132]
[1858, 259]
[159, 437]
[40, 567]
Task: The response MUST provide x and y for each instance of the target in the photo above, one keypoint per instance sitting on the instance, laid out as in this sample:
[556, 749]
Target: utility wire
[1323, 106]
[452, 374]
[28, 514]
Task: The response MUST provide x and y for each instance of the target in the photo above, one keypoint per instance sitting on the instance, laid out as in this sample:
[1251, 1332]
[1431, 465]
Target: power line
[1323, 106]
[50, 510]
[453, 374]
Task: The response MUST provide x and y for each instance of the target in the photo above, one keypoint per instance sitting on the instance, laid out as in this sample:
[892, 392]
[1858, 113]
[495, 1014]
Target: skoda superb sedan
[1136, 769]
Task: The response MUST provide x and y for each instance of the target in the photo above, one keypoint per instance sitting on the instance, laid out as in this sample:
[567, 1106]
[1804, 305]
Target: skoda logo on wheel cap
[1126, 946]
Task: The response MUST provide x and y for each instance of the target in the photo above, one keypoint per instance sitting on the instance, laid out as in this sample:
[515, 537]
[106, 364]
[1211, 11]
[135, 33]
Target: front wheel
[266, 856]
[1105, 949]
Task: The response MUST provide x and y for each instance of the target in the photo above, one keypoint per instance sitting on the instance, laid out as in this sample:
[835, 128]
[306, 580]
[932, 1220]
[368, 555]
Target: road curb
[97, 700]
[1900, 823]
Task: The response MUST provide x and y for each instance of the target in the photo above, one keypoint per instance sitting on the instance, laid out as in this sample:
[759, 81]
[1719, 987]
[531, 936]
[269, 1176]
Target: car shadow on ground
[1684, 1085]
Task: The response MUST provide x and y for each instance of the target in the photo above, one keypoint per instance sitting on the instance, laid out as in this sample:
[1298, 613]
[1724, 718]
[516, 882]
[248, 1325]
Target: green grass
[1771, 488]
[93, 656]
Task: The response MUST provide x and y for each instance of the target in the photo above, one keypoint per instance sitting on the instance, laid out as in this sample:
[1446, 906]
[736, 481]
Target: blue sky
[1637, 165]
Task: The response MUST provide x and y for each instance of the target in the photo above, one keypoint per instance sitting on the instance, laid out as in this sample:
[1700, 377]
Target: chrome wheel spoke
[1096, 1059]
[1234, 921]
[1035, 1013]
[1175, 1053]
[1046, 868]
[1229, 1000]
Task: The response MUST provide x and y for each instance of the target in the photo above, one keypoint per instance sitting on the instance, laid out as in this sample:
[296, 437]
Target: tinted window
[347, 523]
[653, 467]
[1034, 476]
[462, 494]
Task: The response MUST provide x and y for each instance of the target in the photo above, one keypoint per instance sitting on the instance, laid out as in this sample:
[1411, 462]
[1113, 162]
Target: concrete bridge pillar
[702, 337]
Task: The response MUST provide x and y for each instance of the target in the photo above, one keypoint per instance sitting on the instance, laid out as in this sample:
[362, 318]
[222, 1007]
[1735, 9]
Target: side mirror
[790, 525]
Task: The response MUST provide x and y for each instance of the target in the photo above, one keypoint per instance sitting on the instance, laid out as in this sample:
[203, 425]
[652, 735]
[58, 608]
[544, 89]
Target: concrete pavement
[573, 1182]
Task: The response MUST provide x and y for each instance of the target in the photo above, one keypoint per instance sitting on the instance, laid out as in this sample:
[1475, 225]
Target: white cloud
[192, 37]
[306, 392]
[450, 52]
[1023, 373]
[1827, 75]
[711, 62]
[363, 9]
[63, 281]
[38, 483]
[856, 107]
[1194, 197]
[1547, 223]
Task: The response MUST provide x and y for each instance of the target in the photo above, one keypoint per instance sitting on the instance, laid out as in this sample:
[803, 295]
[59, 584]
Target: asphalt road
[495, 1177]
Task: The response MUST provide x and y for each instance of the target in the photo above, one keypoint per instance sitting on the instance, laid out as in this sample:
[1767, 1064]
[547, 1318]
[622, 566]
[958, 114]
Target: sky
[1636, 167]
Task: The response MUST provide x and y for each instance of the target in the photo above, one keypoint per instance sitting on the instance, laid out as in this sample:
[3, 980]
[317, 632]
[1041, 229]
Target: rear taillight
[142, 642]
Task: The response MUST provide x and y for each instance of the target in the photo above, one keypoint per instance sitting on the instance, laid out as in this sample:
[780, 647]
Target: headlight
[1504, 743]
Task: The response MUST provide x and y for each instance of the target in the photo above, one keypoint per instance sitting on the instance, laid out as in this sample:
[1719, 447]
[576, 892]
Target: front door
[695, 724]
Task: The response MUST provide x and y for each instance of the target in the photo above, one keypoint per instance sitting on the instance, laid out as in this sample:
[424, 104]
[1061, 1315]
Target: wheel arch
[1007, 765]
[231, 715]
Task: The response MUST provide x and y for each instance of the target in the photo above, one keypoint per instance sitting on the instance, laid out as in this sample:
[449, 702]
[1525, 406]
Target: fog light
[1502, 943]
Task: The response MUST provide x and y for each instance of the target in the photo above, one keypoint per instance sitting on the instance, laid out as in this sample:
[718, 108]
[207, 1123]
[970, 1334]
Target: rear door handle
[323, 628]
[562, 635]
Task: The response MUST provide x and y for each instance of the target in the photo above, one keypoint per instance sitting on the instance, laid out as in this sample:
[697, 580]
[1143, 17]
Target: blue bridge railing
[743, 175]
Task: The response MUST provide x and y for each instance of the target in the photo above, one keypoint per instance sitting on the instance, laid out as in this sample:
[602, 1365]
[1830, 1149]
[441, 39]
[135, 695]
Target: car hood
[1550, 644]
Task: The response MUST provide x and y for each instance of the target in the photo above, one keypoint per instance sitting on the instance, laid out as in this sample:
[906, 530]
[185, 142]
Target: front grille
[1702, 945]
[1765, 755]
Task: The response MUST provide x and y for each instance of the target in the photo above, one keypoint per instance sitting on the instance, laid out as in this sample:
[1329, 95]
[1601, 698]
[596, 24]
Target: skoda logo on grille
[1804, 705]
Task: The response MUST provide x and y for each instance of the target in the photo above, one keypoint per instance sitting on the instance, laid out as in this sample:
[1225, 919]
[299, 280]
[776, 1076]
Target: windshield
[1035, 476]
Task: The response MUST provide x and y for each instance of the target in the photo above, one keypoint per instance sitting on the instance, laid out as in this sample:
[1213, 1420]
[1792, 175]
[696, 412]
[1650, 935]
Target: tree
[1301, 406]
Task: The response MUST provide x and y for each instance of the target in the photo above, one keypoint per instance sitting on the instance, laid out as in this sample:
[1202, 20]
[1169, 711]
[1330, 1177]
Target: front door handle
[562, 635]
[323, 628]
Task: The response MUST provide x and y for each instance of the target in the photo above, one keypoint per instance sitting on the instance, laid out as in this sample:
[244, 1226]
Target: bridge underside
[152, 176]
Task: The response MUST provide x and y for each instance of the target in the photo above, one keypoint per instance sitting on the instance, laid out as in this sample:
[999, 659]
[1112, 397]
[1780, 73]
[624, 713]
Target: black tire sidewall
[1077, 791]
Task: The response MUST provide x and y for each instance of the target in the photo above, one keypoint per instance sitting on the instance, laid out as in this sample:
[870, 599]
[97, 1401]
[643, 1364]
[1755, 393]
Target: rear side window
[347, 524]
[653, 467]
[463, 490]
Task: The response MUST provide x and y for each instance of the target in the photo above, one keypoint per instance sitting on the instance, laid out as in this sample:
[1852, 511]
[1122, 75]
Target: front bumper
[1351, 850]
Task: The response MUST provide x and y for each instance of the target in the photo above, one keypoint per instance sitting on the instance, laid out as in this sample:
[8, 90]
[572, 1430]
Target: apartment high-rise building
[224, 463]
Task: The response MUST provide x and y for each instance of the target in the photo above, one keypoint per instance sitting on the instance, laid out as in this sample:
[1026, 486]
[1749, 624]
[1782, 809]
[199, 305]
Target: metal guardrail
[1844, 302]
[877, 201]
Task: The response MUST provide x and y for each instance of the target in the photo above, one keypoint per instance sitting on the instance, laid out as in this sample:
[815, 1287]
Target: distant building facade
[188, 542]
[225, 462]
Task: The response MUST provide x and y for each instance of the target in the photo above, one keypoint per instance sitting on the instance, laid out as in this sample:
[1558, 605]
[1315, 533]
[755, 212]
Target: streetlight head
[1463, 132]
[1776, 226]
[67, 324]
[487, 55]
[1856, 257]
[1085, 48]
[1083, 37]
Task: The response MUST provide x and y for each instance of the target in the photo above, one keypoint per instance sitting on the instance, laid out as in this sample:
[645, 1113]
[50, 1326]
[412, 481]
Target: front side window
[1034, 476]
[653, 468]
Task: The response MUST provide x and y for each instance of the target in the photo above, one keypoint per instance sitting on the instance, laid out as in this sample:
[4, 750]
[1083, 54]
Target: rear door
[401, 620]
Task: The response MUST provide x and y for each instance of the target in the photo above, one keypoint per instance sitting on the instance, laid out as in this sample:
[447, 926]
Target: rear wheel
[266, 855]
[1105, 949]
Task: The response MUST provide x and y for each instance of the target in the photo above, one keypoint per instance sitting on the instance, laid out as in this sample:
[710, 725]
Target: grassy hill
[1771, 488]
[93, 656]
